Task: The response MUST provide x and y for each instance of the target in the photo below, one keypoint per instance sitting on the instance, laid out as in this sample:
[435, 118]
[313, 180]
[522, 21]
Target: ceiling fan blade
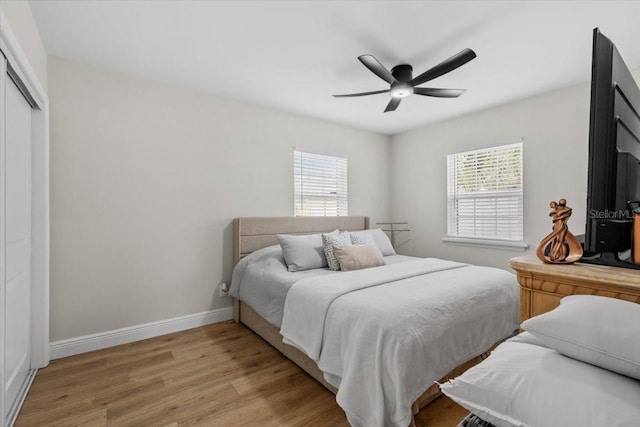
[361, 94]
[393, 104]
[439, 93]
[377, 68]
[444, 67]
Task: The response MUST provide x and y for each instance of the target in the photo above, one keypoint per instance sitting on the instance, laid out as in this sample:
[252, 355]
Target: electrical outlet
[224, 289]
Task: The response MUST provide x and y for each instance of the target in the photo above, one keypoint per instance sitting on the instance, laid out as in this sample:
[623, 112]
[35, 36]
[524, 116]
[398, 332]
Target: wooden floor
[216, 375]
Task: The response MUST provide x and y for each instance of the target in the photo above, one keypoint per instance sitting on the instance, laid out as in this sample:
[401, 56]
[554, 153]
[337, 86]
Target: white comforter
[384, 335]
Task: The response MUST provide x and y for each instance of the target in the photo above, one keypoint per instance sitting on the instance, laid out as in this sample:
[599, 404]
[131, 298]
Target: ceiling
[293, 56]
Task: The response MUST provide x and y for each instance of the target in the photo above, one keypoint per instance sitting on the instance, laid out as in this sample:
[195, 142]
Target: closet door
[17, 242]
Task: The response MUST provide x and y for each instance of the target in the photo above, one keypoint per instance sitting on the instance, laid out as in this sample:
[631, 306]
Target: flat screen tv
[614, 158]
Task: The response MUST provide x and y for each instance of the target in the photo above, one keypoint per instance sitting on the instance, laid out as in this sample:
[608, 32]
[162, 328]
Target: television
[614, 158]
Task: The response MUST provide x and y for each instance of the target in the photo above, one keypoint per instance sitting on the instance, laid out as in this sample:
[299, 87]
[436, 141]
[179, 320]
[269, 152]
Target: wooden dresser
[543, 285]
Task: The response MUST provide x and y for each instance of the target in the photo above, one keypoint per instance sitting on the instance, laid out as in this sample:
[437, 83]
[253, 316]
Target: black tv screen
[614, 157]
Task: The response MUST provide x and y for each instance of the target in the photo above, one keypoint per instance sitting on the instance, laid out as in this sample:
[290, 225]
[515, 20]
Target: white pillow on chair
[602, 331]
[524, 384]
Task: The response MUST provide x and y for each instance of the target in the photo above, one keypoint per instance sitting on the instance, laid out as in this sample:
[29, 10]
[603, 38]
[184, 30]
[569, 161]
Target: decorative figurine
[559, 247]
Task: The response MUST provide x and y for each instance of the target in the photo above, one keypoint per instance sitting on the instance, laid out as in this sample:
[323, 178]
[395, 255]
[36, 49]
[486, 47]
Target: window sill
[504, 245]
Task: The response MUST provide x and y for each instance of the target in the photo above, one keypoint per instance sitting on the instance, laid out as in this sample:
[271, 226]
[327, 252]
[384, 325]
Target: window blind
[484, 193]
[320, 184]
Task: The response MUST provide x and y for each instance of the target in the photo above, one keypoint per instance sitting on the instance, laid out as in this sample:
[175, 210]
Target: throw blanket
[383, 335]
[309, 299]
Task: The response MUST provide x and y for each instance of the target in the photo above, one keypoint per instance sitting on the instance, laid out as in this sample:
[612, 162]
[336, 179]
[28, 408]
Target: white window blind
[320, 184]
[485, 194]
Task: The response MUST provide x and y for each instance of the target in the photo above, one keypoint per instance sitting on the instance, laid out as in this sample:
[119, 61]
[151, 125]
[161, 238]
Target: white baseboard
[86, 343]
[14, 410]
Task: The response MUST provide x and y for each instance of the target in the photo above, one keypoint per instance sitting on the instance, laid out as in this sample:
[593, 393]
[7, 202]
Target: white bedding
[384, 335]
[263, 281]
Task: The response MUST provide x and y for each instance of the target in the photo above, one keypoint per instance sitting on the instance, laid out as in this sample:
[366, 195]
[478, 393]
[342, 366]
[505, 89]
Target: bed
[256, 240]
[577, 365]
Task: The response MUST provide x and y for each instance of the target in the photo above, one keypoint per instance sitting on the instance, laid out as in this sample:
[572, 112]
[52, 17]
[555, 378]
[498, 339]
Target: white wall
[146, 179]
[555, 128]
[18, 15]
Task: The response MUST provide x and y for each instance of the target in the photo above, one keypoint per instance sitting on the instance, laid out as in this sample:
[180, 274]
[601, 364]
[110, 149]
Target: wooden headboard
[253, 233]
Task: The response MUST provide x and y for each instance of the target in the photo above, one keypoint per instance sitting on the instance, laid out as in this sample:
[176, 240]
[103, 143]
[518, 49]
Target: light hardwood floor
[216, 375]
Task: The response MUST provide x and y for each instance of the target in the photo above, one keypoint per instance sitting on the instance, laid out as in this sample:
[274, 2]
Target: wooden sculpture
[559, 247]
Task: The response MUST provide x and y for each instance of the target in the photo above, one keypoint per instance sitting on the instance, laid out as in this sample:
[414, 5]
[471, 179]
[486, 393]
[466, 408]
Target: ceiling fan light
[401, 91]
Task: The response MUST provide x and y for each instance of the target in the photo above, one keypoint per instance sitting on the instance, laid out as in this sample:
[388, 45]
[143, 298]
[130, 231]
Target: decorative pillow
[359, 238]
[381, 239]
[523, 384]
[356, 257]
[303, 252]
[601, 331]
[328, 241]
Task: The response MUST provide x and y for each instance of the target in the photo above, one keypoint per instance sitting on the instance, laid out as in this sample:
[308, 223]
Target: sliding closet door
[17, 242]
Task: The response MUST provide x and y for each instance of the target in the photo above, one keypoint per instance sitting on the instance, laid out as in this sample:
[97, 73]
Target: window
[484, 203]
[320, 184]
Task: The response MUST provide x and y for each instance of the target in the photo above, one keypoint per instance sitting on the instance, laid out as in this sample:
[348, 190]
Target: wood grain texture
[216, 375]
[271, 334]
[542, 286]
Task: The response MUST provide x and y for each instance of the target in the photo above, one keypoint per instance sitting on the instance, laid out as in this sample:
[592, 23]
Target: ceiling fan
[404, 84]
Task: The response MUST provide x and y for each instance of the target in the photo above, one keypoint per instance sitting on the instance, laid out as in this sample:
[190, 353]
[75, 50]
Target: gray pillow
[602, 331]
[328, 241]
[379, 237]
[303, 252]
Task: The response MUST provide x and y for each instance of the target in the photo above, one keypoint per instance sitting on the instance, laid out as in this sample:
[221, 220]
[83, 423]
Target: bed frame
[251, 234]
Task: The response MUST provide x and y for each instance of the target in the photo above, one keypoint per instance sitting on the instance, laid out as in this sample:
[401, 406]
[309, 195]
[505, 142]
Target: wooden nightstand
[543, 285]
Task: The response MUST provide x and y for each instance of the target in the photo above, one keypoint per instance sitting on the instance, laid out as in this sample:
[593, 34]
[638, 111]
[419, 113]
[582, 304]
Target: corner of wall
[17, 16]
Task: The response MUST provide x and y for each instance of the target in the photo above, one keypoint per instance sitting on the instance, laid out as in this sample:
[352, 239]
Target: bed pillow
[302, 252]
[379, 237]
[341, 238]
[523, 384]
[359, 238]
[357, 257]
[601, 331]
